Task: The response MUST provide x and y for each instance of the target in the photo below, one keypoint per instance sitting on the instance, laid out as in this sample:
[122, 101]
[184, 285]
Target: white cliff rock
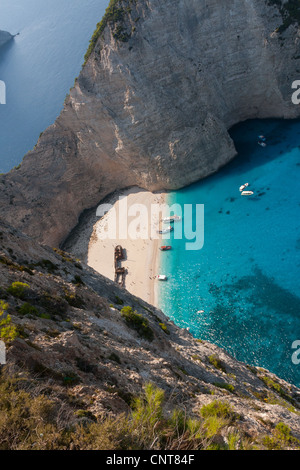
[153, 105]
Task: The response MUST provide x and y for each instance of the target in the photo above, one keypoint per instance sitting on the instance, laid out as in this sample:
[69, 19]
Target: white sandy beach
[142, 254]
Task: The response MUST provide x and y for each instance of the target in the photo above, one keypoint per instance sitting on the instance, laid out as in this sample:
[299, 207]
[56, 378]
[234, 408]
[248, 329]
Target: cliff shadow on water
[280, 134]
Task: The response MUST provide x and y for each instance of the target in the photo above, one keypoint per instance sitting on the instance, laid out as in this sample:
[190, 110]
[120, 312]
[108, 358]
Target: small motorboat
[162, 277]
[200, 311]
[244, 186]
[171, 219]
[247, 193]
[262, 138]
[165, 248]
[262, 144]
[166, 230]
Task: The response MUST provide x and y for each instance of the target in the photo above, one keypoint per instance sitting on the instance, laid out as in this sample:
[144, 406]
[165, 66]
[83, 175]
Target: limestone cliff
[162, 85]
[4, 37]
[68, 339]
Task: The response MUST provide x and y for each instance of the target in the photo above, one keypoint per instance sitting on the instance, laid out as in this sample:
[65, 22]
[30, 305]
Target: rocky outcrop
[5, 37]
[153, 105]
[66, 328]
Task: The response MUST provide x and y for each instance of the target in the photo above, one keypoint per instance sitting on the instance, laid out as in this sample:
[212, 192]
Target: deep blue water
[39, 66]
[246, 277]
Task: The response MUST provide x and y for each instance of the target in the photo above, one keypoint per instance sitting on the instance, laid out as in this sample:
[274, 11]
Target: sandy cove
[141, 255]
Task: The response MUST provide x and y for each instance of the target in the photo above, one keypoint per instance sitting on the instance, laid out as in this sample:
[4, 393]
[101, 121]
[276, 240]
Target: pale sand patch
[142, 255]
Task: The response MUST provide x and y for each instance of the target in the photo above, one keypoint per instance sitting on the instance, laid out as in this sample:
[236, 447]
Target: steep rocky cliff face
[4, 37]
[67, 339]
[153, 104]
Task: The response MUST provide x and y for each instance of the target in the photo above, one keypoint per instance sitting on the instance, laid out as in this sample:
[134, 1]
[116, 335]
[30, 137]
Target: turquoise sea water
[246, 277]
[39, 66]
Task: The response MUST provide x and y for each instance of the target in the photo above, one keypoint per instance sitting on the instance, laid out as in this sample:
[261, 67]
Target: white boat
[244, 186]
[247, 193]
[262, 144]
[166, 230]
[200, 311]
[162, 277]
[262, 137]
[172, 218]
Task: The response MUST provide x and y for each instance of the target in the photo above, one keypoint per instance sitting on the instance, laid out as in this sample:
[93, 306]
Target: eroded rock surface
[153, 105]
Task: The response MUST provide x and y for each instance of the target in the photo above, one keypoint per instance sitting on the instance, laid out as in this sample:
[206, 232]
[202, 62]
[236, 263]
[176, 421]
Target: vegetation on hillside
[35, 419]
[137, 322]
[114, 15]
[78, 362]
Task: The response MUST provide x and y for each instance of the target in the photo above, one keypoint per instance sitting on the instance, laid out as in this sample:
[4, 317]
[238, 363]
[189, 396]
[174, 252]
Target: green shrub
[281, 438]
[119, 301]
[164, 328]
[18, 290]
[30, 420]
[74, 300]
[7, 262]
[26, 421]
[147, 413]
[66, 257]
[224, 385]
[271, 443]
[196, 357]
[270, 383]
[45, 316]
[28, 309]
[217, 363]
[114, 13]
[53, 304]
[217, 408]
[283, 434]
[47, 265]
[137, 322]
[8, 331]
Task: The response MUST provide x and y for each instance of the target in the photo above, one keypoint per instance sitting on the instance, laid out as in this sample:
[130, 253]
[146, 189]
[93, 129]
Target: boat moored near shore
[166, 230]
[171, 219]
[165, 248]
